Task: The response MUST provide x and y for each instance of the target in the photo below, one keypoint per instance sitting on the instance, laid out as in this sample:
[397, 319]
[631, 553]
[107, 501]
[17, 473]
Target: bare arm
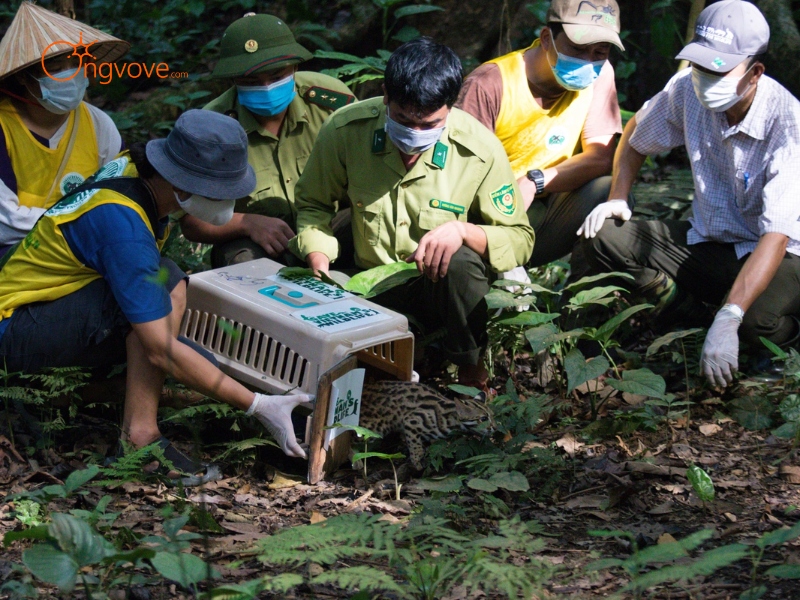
[170, 356]
[758, 270]
[627, 163]
[595, 161]
[268, 232]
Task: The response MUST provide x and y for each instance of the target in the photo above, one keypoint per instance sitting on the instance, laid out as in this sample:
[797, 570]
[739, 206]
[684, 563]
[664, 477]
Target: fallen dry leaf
[633, 399]
[316, 517]
[593, 385]
[710, 429]
[790, 473]
[251, 500]
[598, 514]
[210, 499]
[569, 444]
[666, 538]
[283, 481]
[389, 518]
[731, 517]
[398, 507]
[354, 504]
[662, 509]
[589, 501]
[240, 527]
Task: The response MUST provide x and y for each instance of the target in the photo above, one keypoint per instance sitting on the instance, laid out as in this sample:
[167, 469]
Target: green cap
[257, 43]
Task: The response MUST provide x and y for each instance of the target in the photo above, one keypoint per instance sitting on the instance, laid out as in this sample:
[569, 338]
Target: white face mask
[717, 93]
[215, 212]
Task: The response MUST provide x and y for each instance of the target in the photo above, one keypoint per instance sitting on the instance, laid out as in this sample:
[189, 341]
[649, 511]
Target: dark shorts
[83, 329]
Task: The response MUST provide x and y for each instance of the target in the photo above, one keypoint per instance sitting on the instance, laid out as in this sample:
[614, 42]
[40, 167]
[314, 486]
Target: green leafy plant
[361, 457]
[72, 552]
[45, 494]
[671, 562]
[701, 482]
[423, 560]
[358, 70]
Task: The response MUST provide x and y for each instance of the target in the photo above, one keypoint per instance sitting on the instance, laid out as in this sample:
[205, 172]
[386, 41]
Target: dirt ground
[634, 482]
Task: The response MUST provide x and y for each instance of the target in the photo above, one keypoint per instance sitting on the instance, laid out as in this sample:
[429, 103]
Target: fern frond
[491, 575]
[244, 445]
[324, 543]
[216, 410]
[363, 578]
[129, 466]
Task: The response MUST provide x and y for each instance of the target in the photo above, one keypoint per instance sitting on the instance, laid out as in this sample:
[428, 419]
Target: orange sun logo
[75, 52]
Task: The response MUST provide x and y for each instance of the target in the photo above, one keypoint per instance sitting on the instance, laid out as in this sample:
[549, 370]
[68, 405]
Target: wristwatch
[537, 177]
[735, 309]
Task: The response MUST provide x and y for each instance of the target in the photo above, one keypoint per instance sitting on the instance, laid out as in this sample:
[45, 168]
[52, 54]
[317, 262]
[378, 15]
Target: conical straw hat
[34, 31]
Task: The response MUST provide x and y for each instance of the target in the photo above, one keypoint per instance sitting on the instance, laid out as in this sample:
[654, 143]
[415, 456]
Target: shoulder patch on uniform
[326, 98]
[504, 200]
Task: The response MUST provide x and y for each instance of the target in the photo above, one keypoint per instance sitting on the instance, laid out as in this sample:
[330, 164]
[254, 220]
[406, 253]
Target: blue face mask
[267, 100]
[411, 141]
[574, 74]
[62, 97]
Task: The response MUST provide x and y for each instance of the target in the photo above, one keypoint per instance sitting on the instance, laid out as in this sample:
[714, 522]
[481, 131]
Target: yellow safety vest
[535, 138]
[36, 166]
[42, 266]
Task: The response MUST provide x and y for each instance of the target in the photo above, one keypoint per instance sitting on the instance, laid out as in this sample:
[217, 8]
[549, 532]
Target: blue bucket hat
[205, 154]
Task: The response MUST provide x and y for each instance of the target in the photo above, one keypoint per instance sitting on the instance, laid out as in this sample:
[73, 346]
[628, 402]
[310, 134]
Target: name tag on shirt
[448, 206]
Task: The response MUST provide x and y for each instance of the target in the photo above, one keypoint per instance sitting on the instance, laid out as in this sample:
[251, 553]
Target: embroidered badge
[504, 200]
[717, 63]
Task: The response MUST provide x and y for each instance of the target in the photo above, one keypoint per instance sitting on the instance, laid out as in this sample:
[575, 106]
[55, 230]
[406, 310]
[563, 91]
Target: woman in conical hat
[50, 139]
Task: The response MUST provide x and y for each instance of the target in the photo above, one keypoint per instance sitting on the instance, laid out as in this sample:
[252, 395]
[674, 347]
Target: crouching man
[87, 286]
[741, 249]
[428, 184]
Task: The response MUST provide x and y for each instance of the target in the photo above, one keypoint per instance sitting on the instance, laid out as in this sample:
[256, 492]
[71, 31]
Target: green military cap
[255, 43]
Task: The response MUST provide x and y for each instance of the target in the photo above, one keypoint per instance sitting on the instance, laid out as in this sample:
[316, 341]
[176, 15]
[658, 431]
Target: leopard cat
[419, 414]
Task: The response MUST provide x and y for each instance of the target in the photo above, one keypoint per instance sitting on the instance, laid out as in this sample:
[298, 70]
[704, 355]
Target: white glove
[720, 356]
[275, 414]
[617, 209]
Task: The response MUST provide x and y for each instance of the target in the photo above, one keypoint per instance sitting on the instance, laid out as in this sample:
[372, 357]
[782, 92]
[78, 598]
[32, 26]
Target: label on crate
[312, 290]
[345, 406]
[340, 316]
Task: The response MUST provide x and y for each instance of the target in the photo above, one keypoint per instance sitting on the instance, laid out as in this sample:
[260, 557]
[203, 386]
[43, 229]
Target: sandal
[195, 472]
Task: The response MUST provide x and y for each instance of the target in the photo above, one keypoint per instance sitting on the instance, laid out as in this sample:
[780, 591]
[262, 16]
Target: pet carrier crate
[279, 332]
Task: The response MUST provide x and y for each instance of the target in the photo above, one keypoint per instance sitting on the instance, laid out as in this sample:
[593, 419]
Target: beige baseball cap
[587, 21]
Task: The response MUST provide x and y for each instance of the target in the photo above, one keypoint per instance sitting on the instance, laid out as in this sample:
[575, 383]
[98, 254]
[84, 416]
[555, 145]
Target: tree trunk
[784, 44]
[694, 12]
[66, 8]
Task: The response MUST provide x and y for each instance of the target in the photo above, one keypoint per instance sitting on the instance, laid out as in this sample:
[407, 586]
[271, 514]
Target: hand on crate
[275, 414]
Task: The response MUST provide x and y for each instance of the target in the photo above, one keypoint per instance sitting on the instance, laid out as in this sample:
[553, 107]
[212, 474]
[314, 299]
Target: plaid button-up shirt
[746, 177]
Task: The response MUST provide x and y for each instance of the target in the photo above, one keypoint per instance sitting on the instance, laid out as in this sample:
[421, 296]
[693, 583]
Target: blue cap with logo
[726, 34]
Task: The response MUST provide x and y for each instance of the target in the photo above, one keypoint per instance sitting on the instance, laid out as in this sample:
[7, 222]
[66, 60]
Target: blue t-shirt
[113, 240]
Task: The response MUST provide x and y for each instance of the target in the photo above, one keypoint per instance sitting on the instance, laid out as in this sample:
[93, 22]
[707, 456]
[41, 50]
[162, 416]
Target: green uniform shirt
[279, 161]
[466, 176]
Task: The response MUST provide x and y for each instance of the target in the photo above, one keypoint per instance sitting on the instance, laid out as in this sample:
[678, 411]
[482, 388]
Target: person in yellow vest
[554, 107]
[50, 139]
[87, 286]
[282, 110]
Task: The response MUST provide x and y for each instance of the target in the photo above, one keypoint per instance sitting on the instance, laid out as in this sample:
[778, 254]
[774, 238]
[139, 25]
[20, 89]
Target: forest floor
[608, 477]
